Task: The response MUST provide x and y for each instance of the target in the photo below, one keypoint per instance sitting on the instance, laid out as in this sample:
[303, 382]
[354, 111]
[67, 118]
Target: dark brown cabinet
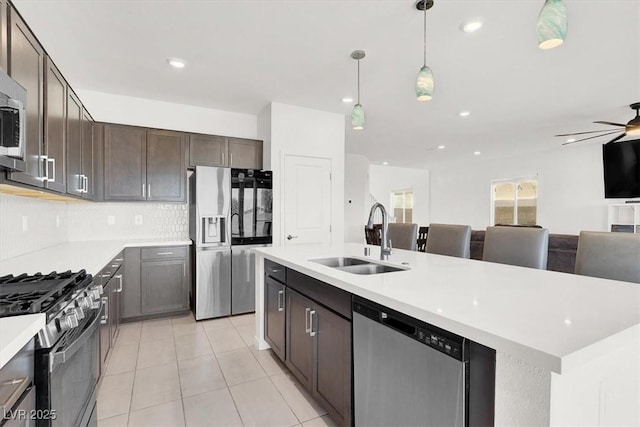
[4, 36]
[207, 150]
[299, 342]
[245, 153]
[125, 163]
[132, 288]
[75, 181]
[110, 277]
[26, 66]
[87, 164]
[274, 325]
[55, 132]
[141, 164]
[166, 168]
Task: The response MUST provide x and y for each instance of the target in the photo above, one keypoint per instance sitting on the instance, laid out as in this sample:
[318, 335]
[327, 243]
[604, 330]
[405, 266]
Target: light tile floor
[179, 372]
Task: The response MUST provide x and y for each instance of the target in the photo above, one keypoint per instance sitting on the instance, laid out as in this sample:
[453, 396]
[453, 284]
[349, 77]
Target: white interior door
[307, 200]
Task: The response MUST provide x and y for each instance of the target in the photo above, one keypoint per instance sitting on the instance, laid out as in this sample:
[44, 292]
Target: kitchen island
[568, 347]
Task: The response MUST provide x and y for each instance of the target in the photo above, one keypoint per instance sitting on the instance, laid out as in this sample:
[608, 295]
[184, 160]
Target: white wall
[356, 195]
[383, 180]
[305, 132]
[570, 195]
[106, 107]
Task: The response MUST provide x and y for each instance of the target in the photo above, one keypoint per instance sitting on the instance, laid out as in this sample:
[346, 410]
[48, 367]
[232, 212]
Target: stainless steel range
[67, 348]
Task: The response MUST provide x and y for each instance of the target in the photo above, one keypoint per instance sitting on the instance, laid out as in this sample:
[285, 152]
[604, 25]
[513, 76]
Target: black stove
[38, 293]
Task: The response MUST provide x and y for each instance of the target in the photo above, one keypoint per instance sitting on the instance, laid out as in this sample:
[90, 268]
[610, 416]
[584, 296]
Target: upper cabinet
[55, 113]
[80, 167]
[4, 36]
[211, 150]
[245, 153]
[141, 164]
[88, 167]
[26, 66]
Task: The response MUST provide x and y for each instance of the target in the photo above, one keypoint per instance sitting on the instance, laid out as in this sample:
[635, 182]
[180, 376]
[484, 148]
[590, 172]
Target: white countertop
[15, 332]
[555, 321]
[74, 256]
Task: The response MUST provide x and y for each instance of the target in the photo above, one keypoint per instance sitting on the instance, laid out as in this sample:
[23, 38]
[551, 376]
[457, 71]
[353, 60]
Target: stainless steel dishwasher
[410, 373]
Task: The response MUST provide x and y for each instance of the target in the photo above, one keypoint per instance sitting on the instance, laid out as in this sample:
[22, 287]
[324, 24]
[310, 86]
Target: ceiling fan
[631, 128]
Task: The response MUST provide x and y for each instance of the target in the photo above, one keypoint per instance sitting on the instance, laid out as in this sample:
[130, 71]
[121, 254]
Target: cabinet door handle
[119, 277]
[164, 253]
[184, 270]
[53, 165]
[45, 178]
[311, 331]
[148, 191]
[105, 318]
[86, 184]
[81, 186]
[144, 194]
[230, 159]
[222, 157]
[281, 305]
[307, 328]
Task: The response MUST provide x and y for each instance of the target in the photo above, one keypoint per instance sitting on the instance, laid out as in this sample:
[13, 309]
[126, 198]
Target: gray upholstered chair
[609, 255]
[449, 239]
[403, 236]
[521, 246]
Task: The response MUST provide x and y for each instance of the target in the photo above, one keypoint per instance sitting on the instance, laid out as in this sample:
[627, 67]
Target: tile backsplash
[111, 221]
[28, 224]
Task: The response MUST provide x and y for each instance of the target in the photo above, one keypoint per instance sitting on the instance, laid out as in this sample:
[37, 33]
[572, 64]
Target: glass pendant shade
[357, 117]
[424, 84]
[552, 24]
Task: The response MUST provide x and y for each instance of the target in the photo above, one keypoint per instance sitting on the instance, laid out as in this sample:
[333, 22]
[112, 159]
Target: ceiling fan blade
[610, 123]
[591, 137]
[584, 133]
[616, 138]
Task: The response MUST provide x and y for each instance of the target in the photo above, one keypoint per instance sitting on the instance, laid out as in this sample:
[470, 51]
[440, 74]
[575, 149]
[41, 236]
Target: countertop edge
[23, 333]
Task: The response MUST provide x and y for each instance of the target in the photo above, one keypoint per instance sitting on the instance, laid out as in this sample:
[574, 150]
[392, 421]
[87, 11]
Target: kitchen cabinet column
[55, 132]
[26, 66]
[87, 164]
[75, 181]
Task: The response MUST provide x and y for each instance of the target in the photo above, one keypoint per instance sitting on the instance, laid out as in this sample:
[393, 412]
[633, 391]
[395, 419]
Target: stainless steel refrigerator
[229, 212]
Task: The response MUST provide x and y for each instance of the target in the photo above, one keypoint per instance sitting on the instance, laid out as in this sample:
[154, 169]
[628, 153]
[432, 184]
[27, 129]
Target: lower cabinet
[274, 325]
[110, 277]
[315, 338]
[155, 282]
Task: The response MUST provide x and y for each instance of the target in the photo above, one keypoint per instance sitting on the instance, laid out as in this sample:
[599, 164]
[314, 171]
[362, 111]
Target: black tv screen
[621, 169]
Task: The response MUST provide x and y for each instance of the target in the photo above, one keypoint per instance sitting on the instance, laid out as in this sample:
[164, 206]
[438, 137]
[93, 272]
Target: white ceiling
[244, 54]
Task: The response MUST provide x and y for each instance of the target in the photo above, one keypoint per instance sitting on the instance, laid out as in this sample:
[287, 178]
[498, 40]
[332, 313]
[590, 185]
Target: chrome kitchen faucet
[385, 245]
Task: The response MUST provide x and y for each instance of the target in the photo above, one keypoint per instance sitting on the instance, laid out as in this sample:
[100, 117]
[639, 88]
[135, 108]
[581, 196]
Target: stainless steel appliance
[410, 373]
[251, 222]
[67, 348]
[229, 213]
[13, 101]
[210, 231]
[17, 394]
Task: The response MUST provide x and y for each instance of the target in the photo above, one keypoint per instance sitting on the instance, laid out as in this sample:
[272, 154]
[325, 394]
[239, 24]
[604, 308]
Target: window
[515, 201]
[402, 202]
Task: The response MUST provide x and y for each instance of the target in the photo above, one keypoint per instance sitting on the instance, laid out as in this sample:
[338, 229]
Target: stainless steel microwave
[13, 102]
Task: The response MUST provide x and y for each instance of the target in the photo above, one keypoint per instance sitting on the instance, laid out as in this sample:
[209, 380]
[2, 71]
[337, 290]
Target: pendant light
[552, 24]
[357, 114]
[424, 82]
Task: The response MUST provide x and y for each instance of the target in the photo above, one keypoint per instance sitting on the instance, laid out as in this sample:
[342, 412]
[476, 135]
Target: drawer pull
[119, 259]
[105, 275]
[164, 253]
[115, 265]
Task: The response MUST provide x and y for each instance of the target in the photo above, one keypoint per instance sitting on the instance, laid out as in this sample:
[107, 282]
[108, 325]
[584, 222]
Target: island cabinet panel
[207, 150]
[332, 363]
[55, 114]
[26, 66]
[275, 301]
[299, 342]
[166, 167]
[125, 163]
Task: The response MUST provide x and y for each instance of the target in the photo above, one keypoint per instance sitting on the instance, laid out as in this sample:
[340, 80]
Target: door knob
[289, 237]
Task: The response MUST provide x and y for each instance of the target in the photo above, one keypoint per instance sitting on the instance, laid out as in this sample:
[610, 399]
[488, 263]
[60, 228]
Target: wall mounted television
[621, 162]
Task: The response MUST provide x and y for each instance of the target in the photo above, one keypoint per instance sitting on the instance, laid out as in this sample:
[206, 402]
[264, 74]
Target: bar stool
[449, 239]
[403, 236]
[607, 255]
[521, 246]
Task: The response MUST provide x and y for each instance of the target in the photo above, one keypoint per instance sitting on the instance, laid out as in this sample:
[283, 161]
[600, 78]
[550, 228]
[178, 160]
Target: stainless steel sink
[357, 266]
[340, 262]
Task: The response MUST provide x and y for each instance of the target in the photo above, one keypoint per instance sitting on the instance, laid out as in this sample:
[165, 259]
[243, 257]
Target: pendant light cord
[358, 81]
[425, 33]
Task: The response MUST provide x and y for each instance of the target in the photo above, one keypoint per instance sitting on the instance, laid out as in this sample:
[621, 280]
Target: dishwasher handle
[397, 324]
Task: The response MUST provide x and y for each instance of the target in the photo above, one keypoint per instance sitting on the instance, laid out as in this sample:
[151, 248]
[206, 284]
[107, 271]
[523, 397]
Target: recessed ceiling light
[385, 163]
[567, 321]
[571, 140]
[464, 113]
[347, 99]
[476, 153]
[176, 62]
[440, 147]
[471, 25]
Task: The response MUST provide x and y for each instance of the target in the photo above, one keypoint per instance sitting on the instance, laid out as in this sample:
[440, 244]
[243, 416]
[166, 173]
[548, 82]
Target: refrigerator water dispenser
[213, 229]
